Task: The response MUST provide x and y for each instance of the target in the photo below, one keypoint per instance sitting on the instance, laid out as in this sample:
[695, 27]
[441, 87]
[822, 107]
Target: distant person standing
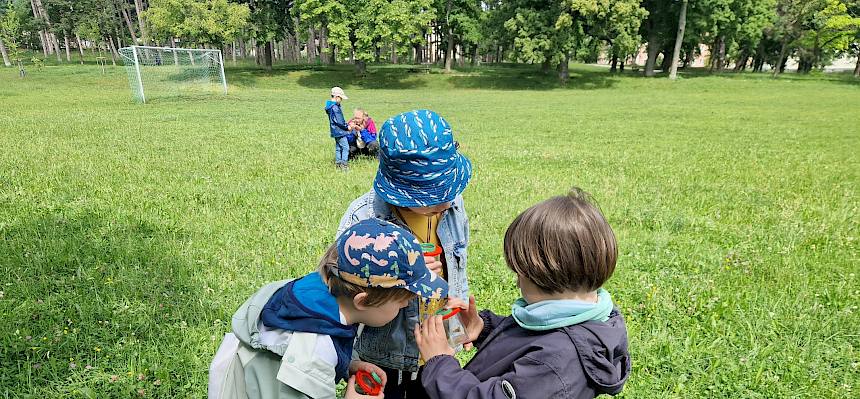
[338, 128]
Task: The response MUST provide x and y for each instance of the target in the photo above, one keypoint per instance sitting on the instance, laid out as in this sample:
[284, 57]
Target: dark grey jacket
[580, 361]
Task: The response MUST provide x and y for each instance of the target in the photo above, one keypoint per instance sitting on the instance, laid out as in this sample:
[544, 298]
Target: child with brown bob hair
[564, 338]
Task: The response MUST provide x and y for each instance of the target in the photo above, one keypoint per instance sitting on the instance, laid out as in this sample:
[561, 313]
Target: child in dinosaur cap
[294, 338]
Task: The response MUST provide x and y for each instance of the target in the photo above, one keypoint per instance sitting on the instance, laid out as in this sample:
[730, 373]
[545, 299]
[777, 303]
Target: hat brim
[404, 193]
[429, 286]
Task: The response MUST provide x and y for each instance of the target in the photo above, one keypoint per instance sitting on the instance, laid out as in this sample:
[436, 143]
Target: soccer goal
[166, 71]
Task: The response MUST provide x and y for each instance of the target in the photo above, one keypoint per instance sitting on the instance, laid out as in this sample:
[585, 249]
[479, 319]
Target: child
[338, 127]
[294, 338]
[564, 339]
[419, 185]
[364, 128]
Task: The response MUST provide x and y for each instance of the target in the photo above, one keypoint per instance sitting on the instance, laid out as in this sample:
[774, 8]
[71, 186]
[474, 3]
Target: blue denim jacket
[393, 345]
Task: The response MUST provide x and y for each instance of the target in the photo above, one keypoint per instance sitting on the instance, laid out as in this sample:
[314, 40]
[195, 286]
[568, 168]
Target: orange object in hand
[431, 249]
[368, 383]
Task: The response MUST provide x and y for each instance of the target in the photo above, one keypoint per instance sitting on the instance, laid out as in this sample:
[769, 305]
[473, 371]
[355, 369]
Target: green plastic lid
[447, 313]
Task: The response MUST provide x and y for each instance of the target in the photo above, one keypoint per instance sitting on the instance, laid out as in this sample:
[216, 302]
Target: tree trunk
[449, 51]
[128, 23]
[653, 51]
[233, 52]
[741, 62]
[545, 66]
[312, 46]
[613, 64]
[779, 62]
[679, 40]
[475, 56]
[139, 8]
[360, 67]
[268, 55]
[666, 61]
[68, 52]
[243, 53]
[721, 59]
[50, 37]
[621, 67]
[80, 47]
[563, 69]
[394, 58]
[113, 53]
[6, 61]
[857, 67]
[816, 52]
[42, 33]
[325, 54]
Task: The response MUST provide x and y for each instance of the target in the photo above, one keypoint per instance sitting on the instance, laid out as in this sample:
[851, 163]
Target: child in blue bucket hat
[418, 186]
[294, 338]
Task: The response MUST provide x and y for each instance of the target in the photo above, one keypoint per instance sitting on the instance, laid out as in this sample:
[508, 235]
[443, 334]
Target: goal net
[165, 71]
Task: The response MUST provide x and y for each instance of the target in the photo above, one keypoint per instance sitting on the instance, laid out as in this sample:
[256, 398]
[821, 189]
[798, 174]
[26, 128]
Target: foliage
[198, 21]
[10, 33]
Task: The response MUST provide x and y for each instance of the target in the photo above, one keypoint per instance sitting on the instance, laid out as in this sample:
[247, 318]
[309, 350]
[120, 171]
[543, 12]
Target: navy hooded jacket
[337, 125]
[579, 361]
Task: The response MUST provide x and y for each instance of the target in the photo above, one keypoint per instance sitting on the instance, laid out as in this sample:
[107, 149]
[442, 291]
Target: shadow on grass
[107, 292]
[406, 77]
[528, 78]
[834, 77]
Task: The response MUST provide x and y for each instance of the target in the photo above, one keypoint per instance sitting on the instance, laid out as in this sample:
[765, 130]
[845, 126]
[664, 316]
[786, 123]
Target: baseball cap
[377, 253]
[337, 91]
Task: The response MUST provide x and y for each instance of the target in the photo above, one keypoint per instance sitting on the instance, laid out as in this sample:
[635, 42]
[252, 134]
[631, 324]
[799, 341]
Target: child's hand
[433, 264]
[352, 394]
[471, 320]
[431, 338]
[356, 365]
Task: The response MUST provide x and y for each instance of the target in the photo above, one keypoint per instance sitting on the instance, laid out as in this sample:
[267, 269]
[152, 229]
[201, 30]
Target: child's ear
[358, 301]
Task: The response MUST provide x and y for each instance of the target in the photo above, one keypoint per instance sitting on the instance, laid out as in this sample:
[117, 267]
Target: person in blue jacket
[338, 127]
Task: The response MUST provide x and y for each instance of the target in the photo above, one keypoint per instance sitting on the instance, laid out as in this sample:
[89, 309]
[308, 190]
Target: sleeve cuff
[488, 327]
[438, 359]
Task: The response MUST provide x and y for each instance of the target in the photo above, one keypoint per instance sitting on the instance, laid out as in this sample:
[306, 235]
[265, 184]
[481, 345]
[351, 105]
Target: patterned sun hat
[418, 161]
[376, 253]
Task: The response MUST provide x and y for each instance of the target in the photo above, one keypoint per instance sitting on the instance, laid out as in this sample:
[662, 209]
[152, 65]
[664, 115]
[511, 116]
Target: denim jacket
[393, 345]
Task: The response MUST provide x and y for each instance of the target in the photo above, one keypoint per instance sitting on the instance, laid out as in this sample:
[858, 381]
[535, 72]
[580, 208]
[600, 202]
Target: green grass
[130, 233]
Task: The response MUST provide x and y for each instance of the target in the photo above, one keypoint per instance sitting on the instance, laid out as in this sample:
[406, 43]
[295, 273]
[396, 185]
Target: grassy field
[130, 233]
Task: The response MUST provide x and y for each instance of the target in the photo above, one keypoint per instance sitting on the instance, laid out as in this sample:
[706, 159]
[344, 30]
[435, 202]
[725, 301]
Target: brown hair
[376, 296]
[562, 244]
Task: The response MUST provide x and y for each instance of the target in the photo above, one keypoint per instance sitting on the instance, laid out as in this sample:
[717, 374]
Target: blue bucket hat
[376, 253]
[418, 161]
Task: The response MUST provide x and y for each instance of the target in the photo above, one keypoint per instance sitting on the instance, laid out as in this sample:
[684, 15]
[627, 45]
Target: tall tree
[676, 54]
[270, 20]
[10, 33]
[792, 17]
[659, 29]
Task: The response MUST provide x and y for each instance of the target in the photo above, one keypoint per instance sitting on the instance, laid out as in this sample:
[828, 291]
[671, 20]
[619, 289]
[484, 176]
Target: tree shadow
[87, 290]
[522, 78]
[833, 77]
[393, 78]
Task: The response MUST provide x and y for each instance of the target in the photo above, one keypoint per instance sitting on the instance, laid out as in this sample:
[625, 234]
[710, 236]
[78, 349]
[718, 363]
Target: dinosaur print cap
[376, 253]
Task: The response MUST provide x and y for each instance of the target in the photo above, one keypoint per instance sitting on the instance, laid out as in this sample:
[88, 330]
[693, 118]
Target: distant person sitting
[364, 131]
[338, 127]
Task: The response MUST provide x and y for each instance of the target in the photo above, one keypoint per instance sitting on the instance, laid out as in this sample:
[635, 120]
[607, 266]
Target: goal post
[166, 71]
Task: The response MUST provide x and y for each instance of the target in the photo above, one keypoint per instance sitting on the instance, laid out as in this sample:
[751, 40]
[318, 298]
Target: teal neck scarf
[547, 315]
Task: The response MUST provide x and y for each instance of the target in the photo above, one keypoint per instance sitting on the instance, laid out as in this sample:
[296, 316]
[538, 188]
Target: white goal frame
[132, 59]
